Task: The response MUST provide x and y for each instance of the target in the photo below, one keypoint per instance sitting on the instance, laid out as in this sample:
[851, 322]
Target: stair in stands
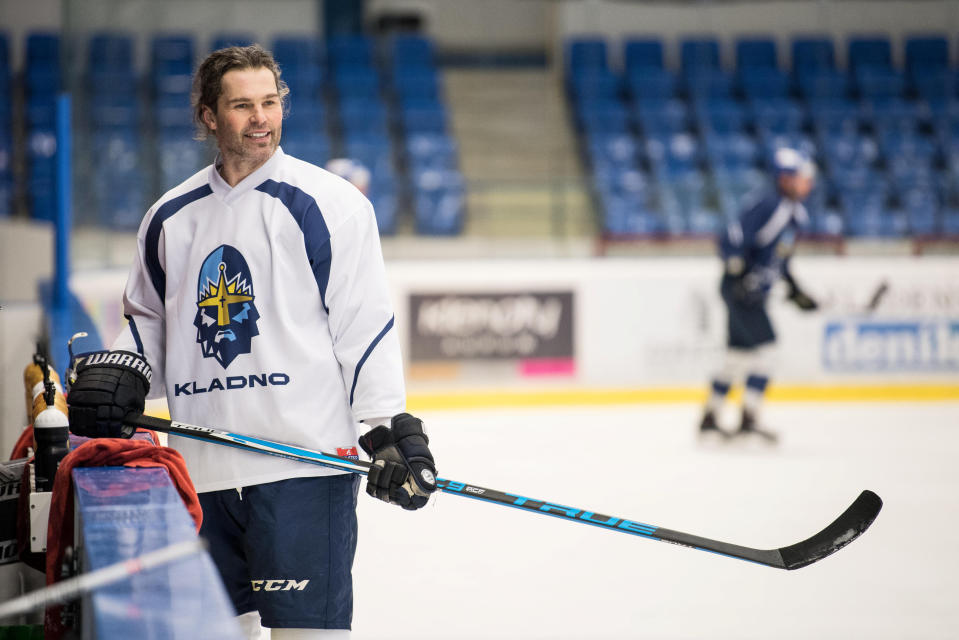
[517, 153]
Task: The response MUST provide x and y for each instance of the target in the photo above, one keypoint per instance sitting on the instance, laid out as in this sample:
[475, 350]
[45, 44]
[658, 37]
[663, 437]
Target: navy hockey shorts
[286, 549]
[748, 324]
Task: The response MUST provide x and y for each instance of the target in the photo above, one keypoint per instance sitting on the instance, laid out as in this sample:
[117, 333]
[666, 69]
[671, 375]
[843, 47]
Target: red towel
[21, 450]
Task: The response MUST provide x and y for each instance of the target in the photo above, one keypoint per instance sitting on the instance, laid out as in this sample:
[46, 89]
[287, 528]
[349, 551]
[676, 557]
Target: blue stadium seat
[350, 51]
[682, 199]
[866, 215]
[762, 82]
[873, 52]
[417, 82]
[173, 111]
[848, 151]
[596, 84]
[231, 39]
[822, 84]
[297, 52]
[950, 221]
[179, 156]
[776, 115]
[811, 54]
[721, 116]
[628, 215]
[622, 180]
[110, 51]
[386, 208]
[412, 50]
[756, 53]
[586, 53]
[374, 151]
[875, 82]
[108, 112]
[118, 184]
[439, 201]
[921, 208]
[604, 117]
[359, 114]
[305, 117]
[658, 117]
[709, 83]
[42, 64]
[731, 150]
[43, 48]
[431, 150]
[642, 54]
[698, 54]
[305, 84]
[936, 86]
[926, 54]
[171, 65]
[172, 54]
[357, 81]
[893, 113]
[834, 116]
[113, 85]
[313, 147]
[673, 153]
[424, 119]
[651, 84]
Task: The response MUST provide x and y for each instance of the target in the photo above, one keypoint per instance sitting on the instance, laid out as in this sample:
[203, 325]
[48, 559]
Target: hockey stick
[846, 528]
[75, 587]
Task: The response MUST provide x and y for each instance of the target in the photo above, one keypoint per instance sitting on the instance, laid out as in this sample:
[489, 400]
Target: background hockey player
[258, 298]
[756, 252]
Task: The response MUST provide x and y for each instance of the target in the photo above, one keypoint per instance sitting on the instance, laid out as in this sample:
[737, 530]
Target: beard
[241, 147]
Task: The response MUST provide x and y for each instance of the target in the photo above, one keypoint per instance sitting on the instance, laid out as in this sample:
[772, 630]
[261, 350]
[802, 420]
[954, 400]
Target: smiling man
[259, 297]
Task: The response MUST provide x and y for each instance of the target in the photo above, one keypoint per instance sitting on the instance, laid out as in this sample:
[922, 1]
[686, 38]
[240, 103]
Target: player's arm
[795, 293]
[745, 287]
[366, 345]
[109, 386]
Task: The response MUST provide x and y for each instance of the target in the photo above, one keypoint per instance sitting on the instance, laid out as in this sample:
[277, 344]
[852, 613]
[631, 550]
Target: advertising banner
[483, 326]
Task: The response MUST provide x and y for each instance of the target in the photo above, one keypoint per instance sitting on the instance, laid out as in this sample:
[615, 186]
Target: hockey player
[258, 300]
[756, 251]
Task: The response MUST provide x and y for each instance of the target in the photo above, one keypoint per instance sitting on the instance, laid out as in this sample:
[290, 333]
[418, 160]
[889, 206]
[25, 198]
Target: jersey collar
[228, 193]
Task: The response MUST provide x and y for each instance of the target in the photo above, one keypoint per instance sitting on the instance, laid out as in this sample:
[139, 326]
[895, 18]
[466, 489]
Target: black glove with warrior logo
[109, 386]
[403, 472]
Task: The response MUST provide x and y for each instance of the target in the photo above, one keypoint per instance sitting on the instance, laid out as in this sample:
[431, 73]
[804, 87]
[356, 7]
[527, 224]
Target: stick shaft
[856, 518]
[74, 587]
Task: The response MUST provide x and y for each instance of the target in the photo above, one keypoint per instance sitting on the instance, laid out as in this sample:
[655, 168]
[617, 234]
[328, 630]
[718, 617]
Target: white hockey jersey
[264, 309]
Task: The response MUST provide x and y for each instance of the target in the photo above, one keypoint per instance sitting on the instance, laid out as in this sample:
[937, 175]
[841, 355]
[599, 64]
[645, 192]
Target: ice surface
[464, 569]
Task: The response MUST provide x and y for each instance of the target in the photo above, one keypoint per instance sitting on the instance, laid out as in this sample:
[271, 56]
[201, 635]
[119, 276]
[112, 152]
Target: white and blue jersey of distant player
[759, 244]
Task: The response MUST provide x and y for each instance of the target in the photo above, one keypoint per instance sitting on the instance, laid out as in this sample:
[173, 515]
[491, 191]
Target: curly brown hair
[208, 77]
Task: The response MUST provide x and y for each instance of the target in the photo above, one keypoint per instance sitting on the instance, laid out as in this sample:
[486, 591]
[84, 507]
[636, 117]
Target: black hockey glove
[799, 297]
[746, 290]
[403, 472]
[109, 386]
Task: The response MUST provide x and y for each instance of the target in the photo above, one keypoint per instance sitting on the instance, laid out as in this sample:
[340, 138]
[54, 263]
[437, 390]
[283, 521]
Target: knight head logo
[225, 316]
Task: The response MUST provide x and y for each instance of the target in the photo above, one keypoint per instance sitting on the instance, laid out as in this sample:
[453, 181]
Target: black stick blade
[846, 528]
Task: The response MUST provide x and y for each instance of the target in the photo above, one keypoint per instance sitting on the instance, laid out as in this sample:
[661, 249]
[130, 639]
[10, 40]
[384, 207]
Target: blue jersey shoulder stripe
[152, 241]
[316, 235]
[366, 354]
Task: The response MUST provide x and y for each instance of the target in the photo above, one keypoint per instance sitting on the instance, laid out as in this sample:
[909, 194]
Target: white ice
[464, 569]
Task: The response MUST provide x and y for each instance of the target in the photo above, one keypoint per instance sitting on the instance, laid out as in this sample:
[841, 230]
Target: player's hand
[403, 472]
[801, 299]
[109, 386]
[746, 291]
